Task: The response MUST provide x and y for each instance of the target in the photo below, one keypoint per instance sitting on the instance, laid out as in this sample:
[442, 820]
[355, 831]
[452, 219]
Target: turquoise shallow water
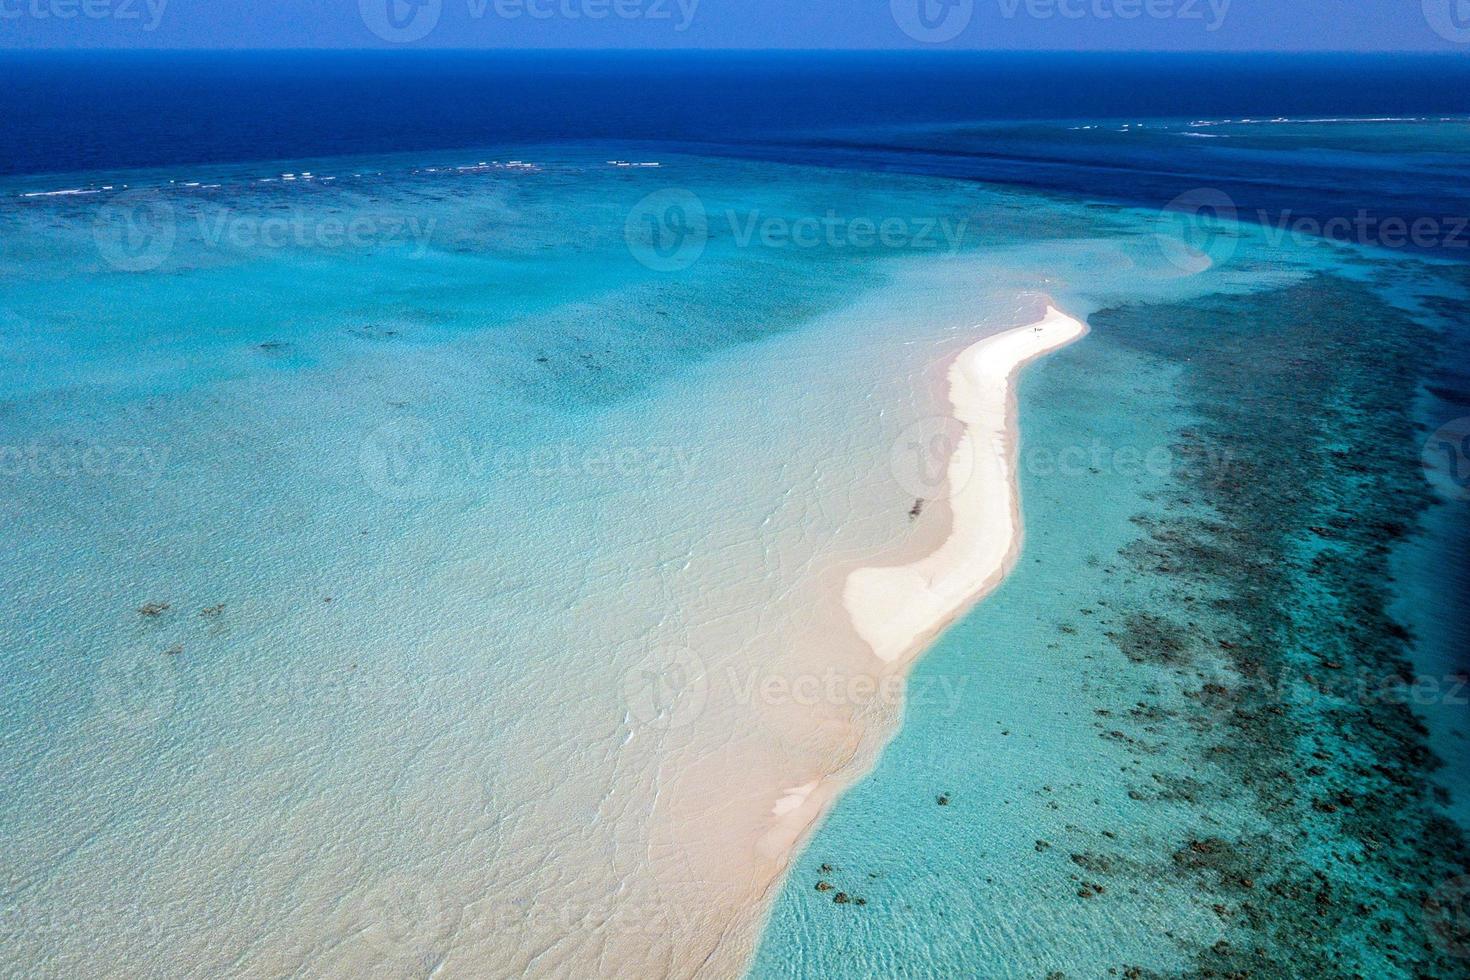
[1189, 714]
[314, 546]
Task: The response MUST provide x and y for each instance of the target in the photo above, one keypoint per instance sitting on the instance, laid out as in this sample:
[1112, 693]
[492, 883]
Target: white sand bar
[898, 610]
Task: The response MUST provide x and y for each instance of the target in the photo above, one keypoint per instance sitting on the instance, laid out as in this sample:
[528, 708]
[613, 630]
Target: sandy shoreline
[892, 613]
[898, 610]
[477, 792]
[773, 701]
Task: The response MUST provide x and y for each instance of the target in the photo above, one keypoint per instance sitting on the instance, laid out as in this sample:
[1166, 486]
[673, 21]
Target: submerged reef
[1272, 542]
[1191, 742]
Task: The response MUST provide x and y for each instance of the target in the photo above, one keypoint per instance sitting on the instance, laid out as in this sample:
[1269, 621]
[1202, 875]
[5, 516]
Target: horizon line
[408, 49]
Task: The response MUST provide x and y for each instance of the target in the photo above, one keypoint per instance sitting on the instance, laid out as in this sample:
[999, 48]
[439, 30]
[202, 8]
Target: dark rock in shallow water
[373, 333]
[1095, 863]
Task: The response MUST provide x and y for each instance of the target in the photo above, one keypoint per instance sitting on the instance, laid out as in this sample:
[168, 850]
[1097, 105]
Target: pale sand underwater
[528, 651]
[756, 701]
[758, 731]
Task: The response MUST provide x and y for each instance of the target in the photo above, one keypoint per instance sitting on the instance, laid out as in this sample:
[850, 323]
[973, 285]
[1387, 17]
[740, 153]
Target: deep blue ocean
[954, 115]
[94, 110]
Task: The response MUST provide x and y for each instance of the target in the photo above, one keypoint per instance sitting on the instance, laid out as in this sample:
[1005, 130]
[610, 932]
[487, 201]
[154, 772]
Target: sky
[1161, 25]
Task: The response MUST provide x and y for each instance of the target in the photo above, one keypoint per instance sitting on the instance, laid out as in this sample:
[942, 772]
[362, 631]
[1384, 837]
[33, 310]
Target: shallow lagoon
[414, 527]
